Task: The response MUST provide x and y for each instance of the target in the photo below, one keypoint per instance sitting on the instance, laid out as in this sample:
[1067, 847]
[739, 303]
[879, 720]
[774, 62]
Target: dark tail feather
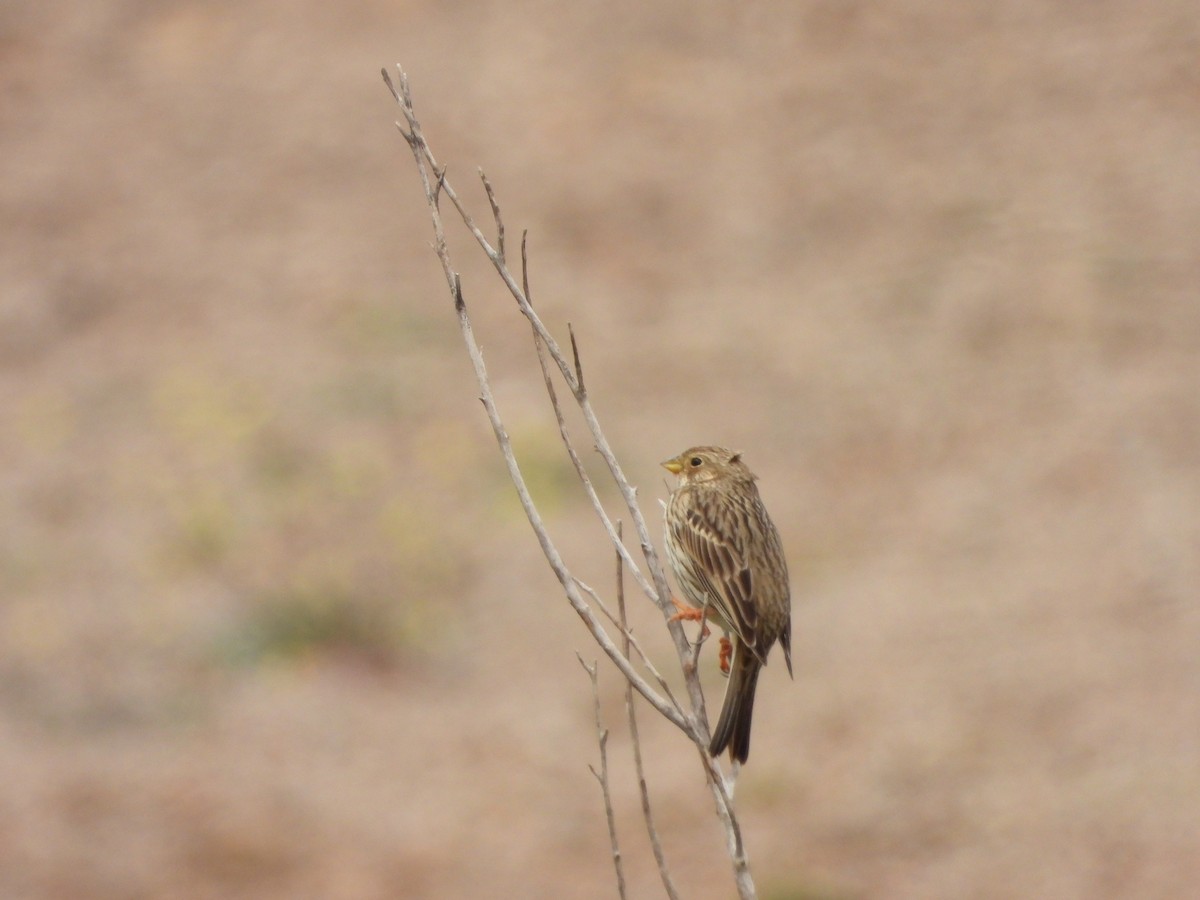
[733, 726]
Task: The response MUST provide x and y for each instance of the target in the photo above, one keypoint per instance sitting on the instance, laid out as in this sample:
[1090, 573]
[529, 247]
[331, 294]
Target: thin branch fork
[425, 163]
[565, 435]
[671, 713]
[571, 375]
[436, 185]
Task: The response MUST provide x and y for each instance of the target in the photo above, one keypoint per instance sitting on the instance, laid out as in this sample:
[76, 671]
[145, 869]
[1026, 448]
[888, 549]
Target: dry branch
[660, 858]
[602, 776]
[692, 723]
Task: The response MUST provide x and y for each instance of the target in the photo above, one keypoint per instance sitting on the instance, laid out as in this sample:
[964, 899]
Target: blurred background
[271, 622]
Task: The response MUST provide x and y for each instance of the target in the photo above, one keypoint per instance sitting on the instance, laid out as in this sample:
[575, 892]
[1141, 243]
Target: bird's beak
[674, 466]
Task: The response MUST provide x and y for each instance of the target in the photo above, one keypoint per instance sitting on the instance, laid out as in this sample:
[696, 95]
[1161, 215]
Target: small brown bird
[728, 558]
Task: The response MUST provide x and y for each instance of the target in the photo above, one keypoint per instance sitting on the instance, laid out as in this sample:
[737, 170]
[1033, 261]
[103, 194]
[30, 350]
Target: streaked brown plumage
[727, 556]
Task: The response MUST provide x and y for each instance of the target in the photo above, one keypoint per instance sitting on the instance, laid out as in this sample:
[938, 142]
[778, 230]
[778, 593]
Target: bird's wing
[723, 569]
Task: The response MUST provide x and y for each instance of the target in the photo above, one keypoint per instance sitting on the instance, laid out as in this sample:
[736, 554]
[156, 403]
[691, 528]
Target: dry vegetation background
[271, 624]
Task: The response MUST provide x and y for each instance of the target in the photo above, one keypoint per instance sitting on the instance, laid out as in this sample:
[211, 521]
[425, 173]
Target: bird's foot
[723, 657]
[685, 613]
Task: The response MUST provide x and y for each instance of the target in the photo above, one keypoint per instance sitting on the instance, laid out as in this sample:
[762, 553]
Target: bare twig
[491, 195]
[647, 814]
[437, 189]
[424, 161]
[627, 637]
[701, 636]
[661, 594]
[694, 724]
[602, 776]
[565, 435]
[578, 362]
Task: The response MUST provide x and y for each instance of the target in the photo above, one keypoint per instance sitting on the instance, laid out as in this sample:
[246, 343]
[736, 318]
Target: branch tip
[387, 79]
[491, 195]
[525, 267]
[460, 305]
[580, 390]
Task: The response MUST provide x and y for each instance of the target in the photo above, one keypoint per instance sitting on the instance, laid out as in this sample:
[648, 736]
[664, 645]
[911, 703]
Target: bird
[728, 561]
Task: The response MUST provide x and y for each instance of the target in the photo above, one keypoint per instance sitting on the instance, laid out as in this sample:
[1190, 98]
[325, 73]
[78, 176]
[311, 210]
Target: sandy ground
[271, 623]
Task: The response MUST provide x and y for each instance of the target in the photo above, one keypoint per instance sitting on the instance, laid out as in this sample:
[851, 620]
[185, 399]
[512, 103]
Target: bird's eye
[695, 462]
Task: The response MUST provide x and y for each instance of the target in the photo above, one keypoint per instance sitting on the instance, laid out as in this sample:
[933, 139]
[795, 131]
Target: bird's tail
[733, 726]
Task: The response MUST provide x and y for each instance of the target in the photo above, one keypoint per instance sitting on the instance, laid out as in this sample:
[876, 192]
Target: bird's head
[701, 464]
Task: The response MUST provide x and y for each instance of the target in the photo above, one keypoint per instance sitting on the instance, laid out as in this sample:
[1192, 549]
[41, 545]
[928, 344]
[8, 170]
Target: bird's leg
[723, 657]
[687, 613]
